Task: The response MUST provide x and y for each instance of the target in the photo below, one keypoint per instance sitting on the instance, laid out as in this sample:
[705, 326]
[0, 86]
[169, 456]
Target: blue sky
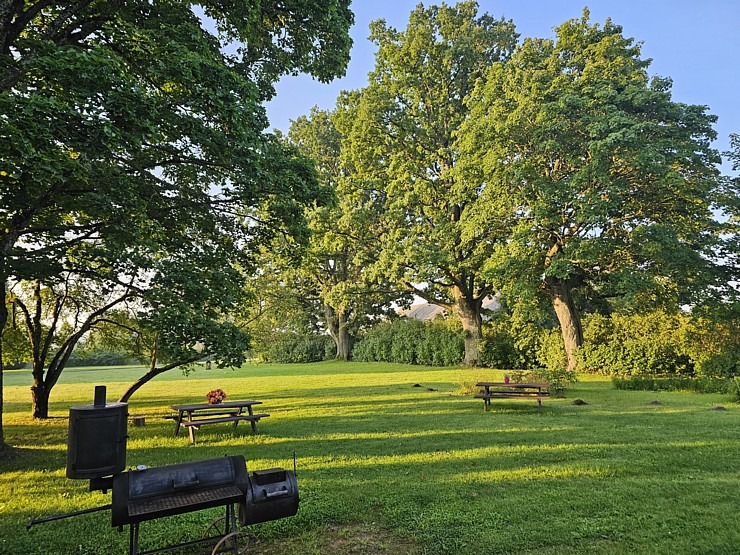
[694, 42]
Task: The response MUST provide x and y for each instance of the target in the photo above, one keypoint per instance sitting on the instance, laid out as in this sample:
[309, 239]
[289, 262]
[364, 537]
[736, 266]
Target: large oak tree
[613, 182]
[345, 235]
[405, 137]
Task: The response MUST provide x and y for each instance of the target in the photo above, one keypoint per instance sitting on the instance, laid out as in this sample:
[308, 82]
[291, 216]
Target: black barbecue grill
[152, 493]
[97, 451]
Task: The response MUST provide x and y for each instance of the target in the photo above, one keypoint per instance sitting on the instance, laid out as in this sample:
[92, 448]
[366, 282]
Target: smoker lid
[98, 407]
[181, 478]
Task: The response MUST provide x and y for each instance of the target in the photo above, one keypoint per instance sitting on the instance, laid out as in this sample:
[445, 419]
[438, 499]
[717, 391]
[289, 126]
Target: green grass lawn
[388, 468]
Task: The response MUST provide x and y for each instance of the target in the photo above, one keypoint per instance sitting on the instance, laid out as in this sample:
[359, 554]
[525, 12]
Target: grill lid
[180, 477]
[179, 488]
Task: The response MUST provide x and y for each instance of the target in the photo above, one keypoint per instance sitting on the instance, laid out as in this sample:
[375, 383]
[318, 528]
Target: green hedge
[660, 344]
[100, 357]
[299, 348]
[698, 385]
[409, 341]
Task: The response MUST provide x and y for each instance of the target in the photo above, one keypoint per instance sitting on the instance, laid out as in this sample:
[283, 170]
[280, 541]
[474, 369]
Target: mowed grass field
[385, 467]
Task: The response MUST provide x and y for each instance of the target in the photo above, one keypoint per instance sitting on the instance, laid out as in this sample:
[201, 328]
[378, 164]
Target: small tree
[56, 317]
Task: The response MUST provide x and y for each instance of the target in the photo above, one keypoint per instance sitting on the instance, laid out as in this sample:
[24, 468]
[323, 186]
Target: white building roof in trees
[426, 311]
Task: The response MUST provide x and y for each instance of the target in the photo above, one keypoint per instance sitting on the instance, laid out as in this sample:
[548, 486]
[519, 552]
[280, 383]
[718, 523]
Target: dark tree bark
[337, 322]
[344, 341]
[152, 373]
[3, 320]
[561, 293]
[468, 307]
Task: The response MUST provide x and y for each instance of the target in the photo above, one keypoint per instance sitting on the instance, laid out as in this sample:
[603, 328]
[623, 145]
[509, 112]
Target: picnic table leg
[191, 433]
[178, 421]
[240, 411]
[252, 422]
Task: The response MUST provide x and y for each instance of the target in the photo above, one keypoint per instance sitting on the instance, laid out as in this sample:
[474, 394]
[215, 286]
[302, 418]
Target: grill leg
[231, 518]
[133, 542]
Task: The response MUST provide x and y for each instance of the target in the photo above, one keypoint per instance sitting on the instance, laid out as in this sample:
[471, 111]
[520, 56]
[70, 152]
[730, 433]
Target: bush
[662, 344]
[713, 344]
[409, 341]
[559, 379]
[300, 348]
[672, 383]
[551, 351]
[648, 344]
[508, 344]
[734, 389]
[99, 357]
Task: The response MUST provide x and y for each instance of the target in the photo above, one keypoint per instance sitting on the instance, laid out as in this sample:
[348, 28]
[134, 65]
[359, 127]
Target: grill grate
[179, 501]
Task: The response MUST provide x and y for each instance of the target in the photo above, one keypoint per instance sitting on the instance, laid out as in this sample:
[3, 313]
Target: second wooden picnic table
[195, 415]
[512, 390]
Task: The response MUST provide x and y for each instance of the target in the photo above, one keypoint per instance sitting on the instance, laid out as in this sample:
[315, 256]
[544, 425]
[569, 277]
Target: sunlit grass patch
[394, 468]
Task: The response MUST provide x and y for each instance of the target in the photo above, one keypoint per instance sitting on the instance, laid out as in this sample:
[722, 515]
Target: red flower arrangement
[215, 396]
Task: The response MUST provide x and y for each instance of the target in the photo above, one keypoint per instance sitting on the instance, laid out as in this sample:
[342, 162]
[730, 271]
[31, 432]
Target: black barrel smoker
[96, 451]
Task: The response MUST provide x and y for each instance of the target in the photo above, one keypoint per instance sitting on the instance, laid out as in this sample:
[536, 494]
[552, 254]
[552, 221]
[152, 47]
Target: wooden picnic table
[195, 415]
[512, 390]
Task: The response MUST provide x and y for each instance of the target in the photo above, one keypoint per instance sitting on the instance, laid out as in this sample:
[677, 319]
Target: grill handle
[185, 485]
[279, 493]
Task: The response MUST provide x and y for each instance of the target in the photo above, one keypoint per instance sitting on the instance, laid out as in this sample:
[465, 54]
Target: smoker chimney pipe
[99, 396]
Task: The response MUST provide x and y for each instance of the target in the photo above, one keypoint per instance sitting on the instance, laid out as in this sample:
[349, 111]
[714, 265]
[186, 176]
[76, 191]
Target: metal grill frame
[230, 529]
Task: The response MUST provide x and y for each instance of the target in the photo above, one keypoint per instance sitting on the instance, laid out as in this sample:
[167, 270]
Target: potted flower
[216, 396]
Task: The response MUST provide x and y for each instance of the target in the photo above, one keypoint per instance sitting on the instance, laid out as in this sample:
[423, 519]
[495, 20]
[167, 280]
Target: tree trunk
[468, 310]
[152, 373]
[570, 323]
[134, 387]
[344, 343]
[338, 326]
[40, 400]
[3, 320]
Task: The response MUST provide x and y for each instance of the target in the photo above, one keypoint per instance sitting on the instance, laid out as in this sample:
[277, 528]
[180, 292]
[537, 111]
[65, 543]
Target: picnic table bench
[511, 390]
[201, 414]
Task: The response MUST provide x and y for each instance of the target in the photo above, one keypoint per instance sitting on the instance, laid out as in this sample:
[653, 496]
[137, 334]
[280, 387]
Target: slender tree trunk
[134, 387]
[40, 399]
[570, 323]
[5, 246]
[3, 320]
[468, 310]
[152, 373]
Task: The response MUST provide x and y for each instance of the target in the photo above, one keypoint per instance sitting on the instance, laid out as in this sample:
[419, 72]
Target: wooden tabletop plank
[223, 405]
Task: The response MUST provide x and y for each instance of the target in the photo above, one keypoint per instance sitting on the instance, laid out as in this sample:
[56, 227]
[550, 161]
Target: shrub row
[100, 357]
[299, 348]
[409, 341]
[698, 385]
[660, 344]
